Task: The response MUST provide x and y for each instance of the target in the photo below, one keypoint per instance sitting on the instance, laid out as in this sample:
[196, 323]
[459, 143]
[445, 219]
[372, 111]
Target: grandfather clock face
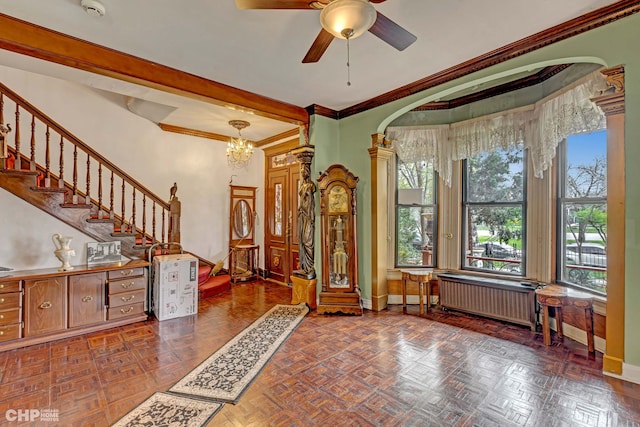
[339, 238]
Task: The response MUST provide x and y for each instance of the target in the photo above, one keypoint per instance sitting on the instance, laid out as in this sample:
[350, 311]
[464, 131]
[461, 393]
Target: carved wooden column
[380, 153]
[612, 103]
[304, 280]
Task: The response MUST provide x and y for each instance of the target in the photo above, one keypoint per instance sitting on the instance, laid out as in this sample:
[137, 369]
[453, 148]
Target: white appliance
[175, 286]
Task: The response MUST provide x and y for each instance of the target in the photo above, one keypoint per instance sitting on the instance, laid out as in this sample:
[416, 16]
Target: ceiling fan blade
[273, 4]
[319, 46]
[392, 33]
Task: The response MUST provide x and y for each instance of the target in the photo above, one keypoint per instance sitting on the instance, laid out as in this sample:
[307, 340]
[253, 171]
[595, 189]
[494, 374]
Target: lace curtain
[539, 128]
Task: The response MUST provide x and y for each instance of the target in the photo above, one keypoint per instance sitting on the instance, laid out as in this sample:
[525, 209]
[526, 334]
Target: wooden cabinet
[38, 306]
[45, 305]
[86, 299]
[10, 310]
[243, 263]
[127, 293]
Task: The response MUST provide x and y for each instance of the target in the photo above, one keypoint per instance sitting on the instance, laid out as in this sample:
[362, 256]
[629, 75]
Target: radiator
[506, 300]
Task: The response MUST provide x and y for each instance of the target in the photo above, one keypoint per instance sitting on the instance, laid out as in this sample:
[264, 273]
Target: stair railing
[132, 207]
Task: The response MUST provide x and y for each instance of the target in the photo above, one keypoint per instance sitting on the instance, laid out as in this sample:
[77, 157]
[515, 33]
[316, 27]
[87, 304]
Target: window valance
[539, 127]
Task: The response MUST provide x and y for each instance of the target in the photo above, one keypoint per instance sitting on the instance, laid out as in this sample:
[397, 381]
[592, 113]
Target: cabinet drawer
[12, 300]
[8, 317]
[127, 298]
[125, 272]
[10, 332]
[12, 286]
[127, 285]
[125, 310]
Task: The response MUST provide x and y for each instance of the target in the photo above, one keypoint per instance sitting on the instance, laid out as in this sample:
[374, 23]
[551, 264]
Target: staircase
[63, 176]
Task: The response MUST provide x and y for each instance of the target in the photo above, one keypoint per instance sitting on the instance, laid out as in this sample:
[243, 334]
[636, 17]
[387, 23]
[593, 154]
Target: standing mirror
[242, 219]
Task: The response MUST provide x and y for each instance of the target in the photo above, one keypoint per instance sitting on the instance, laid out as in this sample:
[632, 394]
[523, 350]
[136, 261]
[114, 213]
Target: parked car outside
[500, 250]
[593, 255]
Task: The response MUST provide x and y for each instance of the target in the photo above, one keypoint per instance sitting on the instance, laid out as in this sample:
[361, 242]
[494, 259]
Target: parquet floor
[382, 369]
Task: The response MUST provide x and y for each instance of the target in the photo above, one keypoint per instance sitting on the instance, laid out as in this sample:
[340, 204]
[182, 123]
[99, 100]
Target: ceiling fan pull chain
[348, 69]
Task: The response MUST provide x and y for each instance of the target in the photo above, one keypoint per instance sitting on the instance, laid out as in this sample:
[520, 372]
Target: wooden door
[281, 206]
[86, 299]
[45, 305]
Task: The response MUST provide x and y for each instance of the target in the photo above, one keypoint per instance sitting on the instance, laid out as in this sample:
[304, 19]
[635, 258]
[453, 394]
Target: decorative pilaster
[612, 103]
[380, 153]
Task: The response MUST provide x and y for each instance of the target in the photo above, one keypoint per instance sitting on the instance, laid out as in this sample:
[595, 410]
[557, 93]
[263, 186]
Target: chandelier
[239, 150]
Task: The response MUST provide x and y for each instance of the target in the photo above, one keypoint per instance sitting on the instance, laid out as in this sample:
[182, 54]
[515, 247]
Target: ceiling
[260, 51]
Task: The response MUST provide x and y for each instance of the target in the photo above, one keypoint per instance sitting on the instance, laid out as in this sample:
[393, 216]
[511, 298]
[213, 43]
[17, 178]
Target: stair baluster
[74, 194]
[18, 162]
[87, 197]
[99, 216]
[47, 161]
[32, 159]
[61, 177]
[111, 197]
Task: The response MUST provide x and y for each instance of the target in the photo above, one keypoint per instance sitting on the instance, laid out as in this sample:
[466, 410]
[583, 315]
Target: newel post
[174, 220]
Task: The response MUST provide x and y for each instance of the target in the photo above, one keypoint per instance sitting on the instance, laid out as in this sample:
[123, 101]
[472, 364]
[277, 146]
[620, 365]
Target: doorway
[281, 208]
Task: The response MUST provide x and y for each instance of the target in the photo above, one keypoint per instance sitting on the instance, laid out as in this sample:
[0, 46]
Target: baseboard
[630, 373]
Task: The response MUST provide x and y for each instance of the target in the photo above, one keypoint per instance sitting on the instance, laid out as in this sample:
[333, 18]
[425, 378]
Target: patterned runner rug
[226, 373]
[163, 409]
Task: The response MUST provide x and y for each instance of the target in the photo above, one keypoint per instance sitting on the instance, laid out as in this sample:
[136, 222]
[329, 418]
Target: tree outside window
[582, 199]
[494, 220]
[416, 214]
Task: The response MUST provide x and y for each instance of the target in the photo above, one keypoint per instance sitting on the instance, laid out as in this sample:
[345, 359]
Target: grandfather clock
[340, 291]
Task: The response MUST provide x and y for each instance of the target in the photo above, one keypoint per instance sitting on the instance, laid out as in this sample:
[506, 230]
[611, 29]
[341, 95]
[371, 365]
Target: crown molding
[579, 25]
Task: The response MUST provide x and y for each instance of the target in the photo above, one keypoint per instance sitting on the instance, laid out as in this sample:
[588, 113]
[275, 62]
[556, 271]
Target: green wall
[346, 141]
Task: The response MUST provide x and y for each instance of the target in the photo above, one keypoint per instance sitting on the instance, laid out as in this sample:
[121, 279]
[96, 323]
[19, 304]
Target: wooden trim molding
[193, 132]
[612, 103]
[42, 43]
[522, 83]
[275, 138]
[579, 25]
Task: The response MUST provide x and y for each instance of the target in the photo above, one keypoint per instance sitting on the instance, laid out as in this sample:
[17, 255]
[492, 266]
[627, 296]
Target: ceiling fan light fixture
[348, 19]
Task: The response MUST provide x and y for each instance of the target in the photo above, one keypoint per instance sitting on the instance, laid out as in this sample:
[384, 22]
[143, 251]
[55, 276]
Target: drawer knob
[127, 299]
[126, 273]
[87, 298]
[1, 285]
[1, 299]
[128, 310]
[1, 316]
[127, 285]
[45, 305]
[1, 333]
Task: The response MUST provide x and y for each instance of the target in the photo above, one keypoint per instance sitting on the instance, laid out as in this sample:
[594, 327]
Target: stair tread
[19, 172]
[215, 285]
[76, 205]
[100, 220]
[49, 189]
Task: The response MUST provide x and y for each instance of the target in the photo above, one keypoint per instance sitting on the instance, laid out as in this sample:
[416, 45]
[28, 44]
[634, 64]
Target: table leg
[420, 292]
[559, 321]
[588, 323]
[546, 328]
[404, 295]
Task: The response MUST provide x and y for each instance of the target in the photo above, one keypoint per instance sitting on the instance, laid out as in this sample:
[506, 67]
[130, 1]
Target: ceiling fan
[359, 16]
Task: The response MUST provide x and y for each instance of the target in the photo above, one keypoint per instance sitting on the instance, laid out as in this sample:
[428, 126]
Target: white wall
[155, 158]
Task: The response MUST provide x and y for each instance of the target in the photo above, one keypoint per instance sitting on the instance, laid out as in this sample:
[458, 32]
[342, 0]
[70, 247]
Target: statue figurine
[173, 191]
[306, 224]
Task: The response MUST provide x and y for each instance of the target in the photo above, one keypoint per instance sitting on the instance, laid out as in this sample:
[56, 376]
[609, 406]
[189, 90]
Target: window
[416, 214]
[494, 212]
[582, 203]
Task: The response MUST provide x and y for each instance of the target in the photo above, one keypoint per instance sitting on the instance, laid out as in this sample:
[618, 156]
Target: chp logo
[19, 415]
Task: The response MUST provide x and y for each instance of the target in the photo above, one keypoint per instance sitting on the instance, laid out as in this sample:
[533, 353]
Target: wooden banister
[142, 201]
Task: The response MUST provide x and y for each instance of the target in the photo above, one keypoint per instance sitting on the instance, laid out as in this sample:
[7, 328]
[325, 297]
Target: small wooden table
[421, 277]
[557, 297]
